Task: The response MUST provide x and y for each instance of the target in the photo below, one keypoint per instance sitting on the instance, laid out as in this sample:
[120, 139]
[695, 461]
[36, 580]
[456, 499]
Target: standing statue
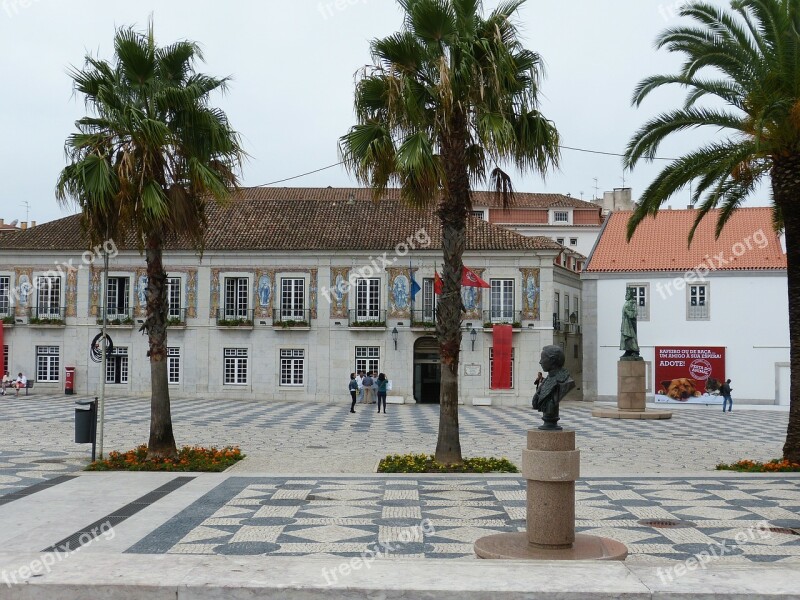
[628, 339]
[552, 390]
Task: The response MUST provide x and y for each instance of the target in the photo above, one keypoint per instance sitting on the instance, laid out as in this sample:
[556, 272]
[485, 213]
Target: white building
[267, 313]
[728, 293]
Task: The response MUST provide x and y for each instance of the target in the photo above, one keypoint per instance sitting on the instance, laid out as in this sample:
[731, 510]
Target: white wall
[748, 316]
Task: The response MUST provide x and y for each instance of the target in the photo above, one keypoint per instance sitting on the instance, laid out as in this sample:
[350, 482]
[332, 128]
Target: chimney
[2, 222]
[33, 224]
[23, 225]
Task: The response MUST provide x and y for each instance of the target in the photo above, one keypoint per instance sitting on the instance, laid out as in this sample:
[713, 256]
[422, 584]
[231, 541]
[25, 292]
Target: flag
[414, 285]
[470, 279]
[437, 284]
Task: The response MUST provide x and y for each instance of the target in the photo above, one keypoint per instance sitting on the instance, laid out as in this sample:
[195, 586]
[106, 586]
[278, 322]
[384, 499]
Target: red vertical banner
[501, 357]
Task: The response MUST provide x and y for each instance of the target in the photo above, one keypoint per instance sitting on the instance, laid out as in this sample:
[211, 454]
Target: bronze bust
[558, 384]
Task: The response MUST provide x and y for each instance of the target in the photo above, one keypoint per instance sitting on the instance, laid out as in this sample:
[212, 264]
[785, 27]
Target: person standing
[353, 387]
[360, 380]
[6, 382]
[539, 380]
[382, 384]
[367, 383]
[725, 392]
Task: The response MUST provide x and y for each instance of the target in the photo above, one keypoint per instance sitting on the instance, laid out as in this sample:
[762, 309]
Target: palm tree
[448, 97]
[141, 167]
[746, 60]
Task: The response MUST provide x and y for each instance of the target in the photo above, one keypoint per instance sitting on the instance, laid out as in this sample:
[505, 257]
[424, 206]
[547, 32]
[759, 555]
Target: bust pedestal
[551, 464]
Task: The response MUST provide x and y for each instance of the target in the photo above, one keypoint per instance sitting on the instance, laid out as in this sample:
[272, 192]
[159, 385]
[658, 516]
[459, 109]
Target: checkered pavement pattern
[434, 517]
[20, 469]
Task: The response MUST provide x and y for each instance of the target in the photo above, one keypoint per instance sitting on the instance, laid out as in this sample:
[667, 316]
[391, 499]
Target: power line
[341, 162]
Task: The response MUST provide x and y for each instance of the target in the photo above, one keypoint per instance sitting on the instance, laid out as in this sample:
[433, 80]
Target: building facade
[728, 293]
[295, 290]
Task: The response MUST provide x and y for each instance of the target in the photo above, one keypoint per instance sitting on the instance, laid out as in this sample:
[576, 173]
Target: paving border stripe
[93, 530]
[36, 487]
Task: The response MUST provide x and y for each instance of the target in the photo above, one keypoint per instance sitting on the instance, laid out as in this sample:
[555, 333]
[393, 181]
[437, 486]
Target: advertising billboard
[689, 374]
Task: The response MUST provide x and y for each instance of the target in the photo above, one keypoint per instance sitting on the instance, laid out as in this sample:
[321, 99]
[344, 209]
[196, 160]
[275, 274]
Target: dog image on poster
[689, 375]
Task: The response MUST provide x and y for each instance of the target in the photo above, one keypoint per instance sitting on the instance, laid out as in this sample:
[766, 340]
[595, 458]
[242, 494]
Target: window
[640, 297]
[491, 368]
[117, 302]
[5, 360]
[174, 365]
[293, 298]
[368, 358]
[560, 241]
[236, 297]
[47, 363]
[235, 366]
[502, 300]
[428, 300]
[48, 303]
[368, 299]
[577, 311]
[698, 302]
[556, 309]
[560, 216]
[292, 367]
[566, 308]
[575, 351]
[174, 297]
[479, 214]
[573, 241]
[117, 365]
[5, 301]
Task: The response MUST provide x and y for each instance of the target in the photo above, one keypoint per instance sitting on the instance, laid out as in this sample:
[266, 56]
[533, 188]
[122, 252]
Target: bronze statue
[628, 337]
[553, 389]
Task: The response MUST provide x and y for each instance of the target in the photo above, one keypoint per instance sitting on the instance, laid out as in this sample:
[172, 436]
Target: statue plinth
[551, 464]
[631, 394]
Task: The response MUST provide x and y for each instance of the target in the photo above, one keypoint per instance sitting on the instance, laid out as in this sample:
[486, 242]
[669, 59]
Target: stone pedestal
[551, 464]
[631, 394]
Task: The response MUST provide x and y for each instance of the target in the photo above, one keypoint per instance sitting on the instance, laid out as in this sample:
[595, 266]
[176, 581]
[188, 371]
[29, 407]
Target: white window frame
[368, 299]
[491, 365]
[566, 308]
[173, 366]
[368, 358]
[560, 240]
[237, 306]
[429, 299]
[573, 241]
[293, 299]
[175, 297]
[698, 301]
[557, 306]
[561, 217]
[480, 214]
[293, 367]
[236, 363]
[48, 362]
[642, 298]
[45, 297]
[118, 360]
[113, 309]
[5, 296]
[501, 300]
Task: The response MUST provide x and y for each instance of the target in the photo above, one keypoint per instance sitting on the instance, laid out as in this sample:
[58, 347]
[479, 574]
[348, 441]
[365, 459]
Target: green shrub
[425, 463]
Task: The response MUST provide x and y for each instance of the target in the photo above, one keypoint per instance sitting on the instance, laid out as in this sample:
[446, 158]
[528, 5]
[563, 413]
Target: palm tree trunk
[452, 213]
[162, 440]
[786, 188]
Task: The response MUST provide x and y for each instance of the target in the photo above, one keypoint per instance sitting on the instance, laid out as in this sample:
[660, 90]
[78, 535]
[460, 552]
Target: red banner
[501, 357]
[690, 374]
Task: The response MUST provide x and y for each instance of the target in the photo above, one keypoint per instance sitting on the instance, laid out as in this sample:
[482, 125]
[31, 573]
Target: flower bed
[752, 466]
[190, 458]
[424, 463]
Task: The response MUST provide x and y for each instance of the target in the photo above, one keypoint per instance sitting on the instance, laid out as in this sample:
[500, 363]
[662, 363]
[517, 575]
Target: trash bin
[69, 385]
[85, 421]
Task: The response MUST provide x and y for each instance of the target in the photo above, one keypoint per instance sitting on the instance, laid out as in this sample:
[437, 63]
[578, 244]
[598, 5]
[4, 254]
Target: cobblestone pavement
[433, 517]
[36, 435]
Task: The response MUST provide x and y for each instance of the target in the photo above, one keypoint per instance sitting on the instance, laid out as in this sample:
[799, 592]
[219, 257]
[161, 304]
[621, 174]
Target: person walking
[725, 392]
[367, 383]
[539, 380]
[353, 387]
[382, 384]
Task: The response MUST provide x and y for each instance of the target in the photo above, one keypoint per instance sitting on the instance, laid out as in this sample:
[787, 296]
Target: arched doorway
[427, 370]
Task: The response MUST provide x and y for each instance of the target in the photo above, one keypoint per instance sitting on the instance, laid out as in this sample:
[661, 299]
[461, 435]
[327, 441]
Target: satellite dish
[14, 222]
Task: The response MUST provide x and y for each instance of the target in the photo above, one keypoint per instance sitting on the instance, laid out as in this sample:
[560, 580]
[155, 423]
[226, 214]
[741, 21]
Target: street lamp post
[103, 344]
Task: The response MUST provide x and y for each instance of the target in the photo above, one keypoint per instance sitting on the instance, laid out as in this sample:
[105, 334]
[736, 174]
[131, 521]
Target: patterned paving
[20, 469]
[432, 517]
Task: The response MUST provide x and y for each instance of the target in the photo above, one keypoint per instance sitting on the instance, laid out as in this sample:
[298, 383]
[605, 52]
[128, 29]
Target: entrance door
[783, 385]
[427, 371]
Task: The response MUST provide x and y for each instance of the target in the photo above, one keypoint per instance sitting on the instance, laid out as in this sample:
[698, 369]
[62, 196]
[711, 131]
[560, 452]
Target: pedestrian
[539, 380]
[725, 392]
[21, 383]
[367, 383]
[353, 387]
[360, 380]
[382, 384]
[6, 382]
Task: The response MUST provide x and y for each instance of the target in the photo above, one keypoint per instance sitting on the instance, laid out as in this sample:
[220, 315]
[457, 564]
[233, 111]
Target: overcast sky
[292, 65]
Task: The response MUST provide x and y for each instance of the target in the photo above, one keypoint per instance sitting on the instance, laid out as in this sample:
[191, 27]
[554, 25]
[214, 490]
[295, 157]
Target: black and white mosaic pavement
[441, 517]
[20, 469]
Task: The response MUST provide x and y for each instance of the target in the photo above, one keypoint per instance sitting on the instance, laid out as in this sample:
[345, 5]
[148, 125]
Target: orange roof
[748, 242]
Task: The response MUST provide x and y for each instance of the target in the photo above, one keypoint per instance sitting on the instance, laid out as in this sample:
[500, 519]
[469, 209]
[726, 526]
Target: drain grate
[666, 523]
[783, 530]
[50, 461]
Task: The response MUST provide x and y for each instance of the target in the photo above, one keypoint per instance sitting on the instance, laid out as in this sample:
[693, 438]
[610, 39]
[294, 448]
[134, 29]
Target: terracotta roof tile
[292, 219]
[748, 242]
